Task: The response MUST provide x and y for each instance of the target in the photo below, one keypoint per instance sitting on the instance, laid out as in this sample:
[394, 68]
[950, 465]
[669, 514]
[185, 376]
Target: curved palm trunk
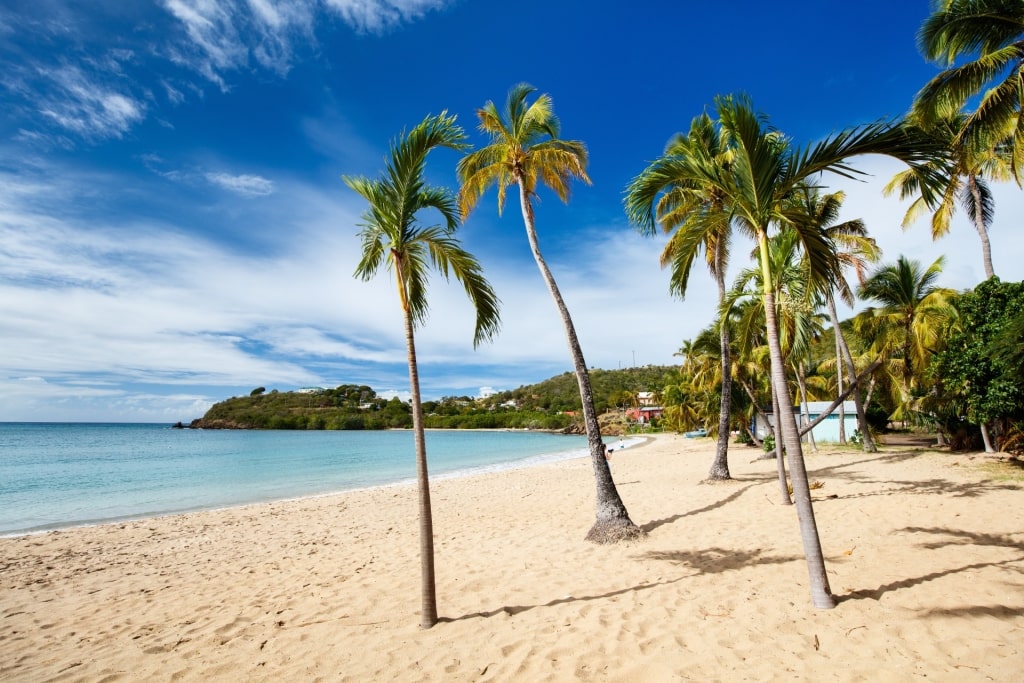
[613, 523]
[979, 225]
[861, 406]
[428, 595]
[821, 593]
[720, 465]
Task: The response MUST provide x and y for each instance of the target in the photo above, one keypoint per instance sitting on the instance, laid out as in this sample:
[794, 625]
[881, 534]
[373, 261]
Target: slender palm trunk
[428, 595]
[720, 465]
[612, 522]
[861, 406]
[821, 593]
[979, 225]
[780, 461]
[839, 386]
[801, 377]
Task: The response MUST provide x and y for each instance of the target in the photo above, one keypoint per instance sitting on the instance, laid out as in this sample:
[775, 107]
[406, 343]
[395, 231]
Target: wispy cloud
[79, 103]
[377, 16]
[245, 185]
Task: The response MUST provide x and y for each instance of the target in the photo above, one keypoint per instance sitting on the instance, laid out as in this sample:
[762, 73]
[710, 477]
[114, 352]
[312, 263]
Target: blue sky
[174, 229]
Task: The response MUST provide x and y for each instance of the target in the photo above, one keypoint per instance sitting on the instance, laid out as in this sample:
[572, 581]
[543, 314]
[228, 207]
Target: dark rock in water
[177, 425]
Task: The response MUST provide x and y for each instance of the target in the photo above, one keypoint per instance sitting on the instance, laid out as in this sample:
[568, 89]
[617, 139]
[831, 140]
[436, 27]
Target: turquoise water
[61, 475]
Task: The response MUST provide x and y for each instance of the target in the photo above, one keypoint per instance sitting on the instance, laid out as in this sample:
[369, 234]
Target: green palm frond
[393, 238]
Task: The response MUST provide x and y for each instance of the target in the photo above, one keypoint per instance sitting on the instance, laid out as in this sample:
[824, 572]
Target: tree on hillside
[696, 215]
[392, 237]
[525, 151]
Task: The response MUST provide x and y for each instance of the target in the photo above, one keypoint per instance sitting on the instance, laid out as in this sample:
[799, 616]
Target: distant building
[310, 390]
[486, 392]
[826, 431]
[644, 414]
[645, 398]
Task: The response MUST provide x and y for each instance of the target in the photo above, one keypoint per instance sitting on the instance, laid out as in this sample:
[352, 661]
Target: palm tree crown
[392, 236]
[992, 33]
[525, 149]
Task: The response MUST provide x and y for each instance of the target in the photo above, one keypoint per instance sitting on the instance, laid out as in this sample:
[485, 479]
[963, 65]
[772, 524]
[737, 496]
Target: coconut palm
[914, 312]
[966, 185]
[525, 151]
[988, 36]
[764, 170]
[393, 238]
[854, 250]
[695, 214]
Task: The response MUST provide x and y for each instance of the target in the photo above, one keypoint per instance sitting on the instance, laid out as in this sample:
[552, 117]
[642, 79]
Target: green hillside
[546, 405]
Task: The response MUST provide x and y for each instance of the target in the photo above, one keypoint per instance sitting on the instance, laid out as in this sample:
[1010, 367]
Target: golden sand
[925, 552]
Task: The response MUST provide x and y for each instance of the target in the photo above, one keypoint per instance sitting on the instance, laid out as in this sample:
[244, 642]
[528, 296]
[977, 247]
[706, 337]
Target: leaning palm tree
[696, 215]
[393, 238]
[988, 36]
[764, 171]
[525, 150]
[967, 185]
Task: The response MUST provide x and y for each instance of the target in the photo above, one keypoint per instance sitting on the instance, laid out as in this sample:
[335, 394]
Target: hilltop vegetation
[551, 404]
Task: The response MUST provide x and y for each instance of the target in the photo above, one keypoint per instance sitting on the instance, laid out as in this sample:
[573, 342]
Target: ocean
[54, 476]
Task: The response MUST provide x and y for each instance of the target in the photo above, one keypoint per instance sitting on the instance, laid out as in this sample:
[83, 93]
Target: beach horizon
[925, 560]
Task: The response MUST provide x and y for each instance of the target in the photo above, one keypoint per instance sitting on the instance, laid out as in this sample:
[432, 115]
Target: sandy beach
[924, 550]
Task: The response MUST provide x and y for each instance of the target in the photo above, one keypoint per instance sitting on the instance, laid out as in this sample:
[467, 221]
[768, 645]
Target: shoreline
[920, 552]
[529, 461]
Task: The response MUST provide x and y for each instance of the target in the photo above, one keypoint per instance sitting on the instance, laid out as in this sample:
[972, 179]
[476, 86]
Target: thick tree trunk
[821, 593]
[612, 522]
[868, 441]
[428, 595]
[720, 465]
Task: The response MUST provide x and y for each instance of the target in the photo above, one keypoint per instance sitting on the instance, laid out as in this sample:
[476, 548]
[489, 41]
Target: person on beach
[608, 455]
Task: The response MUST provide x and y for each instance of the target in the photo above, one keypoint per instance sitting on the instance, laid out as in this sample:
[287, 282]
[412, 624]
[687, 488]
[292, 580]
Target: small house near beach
[826, 431]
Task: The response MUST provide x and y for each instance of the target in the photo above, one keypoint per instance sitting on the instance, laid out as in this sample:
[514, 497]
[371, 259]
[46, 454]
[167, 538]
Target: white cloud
[377, 16]
[246, 185]
[86, 107]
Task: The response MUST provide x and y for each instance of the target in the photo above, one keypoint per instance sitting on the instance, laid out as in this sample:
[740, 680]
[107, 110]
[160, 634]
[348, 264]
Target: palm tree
[966, 185]
[764, 170]
[525, 150]
[913, 313]
[393, 238]
[990, 34]
[695, 214]
[854, 250]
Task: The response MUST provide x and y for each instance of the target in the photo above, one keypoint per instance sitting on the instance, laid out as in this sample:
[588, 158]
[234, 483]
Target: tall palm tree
[966, 185]
[525, 150]
[765, 169]
[393, 238]
[854, 250]
[913, 313]
[695, 213]
[989, 36]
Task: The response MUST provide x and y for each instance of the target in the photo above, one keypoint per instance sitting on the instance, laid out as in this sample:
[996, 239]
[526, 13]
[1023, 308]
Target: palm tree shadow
[512, 610]
[719, 560]
[654, 524]
[959, 537]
